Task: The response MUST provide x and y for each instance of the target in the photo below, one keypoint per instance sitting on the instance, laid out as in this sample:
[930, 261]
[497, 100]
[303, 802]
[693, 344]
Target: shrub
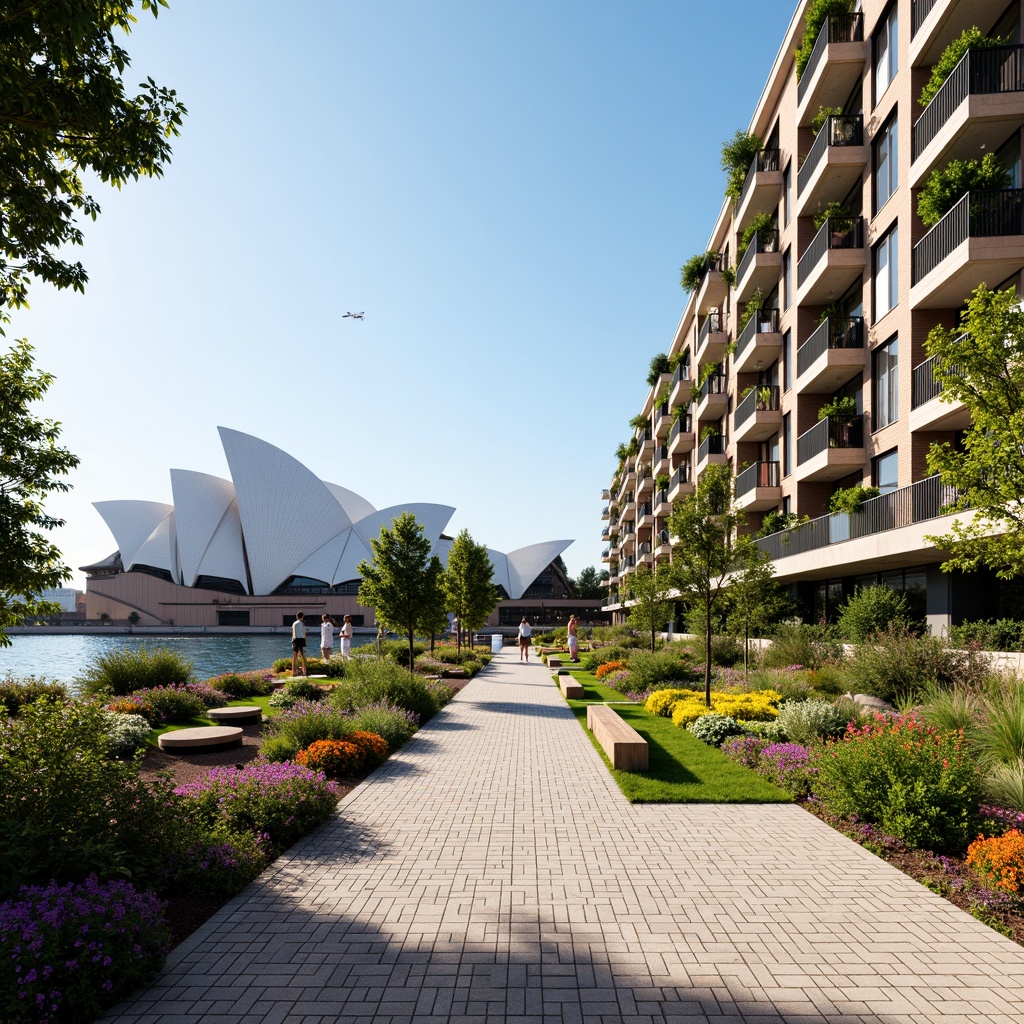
[393, 724]
[217, 862]
[377, 679]
[737, 155]
[769, 732]
[870, 610]
[608, 668]
[945, 187]
[714, 729]
[802, 644]
[165, 705]
[725, 650]
[745, 750]
[808, 720]
[593, 660]
[305, 689]
[649, 670]
[398, 651]
[335, 758]
[282, 801]
[997, 635]
[243, 685]
[999, 861]
[16, 693]
[126, 733]
[301, 725]
[442, 692]
[970, 38]
[210, 697]
[915, 782]
[67, 809]
[817, 12]
[695, 268]
[661, 702]
[789, 766]
[374, 748]
[756, 706]
[897, 665]
[71, 950]
[121, 672]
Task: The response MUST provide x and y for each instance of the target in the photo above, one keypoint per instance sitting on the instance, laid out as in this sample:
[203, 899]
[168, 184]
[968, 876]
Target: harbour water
[63, 658]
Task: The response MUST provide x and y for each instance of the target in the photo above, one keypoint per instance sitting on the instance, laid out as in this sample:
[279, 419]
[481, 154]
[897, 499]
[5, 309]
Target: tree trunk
[707, 657]
[412, 651]
[746, 648]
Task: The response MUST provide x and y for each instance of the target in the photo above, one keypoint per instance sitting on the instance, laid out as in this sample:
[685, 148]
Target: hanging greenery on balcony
[762, 223]
[639, 421]
[838, 213]
[737, 156]
[845, 405]
[754, 305]
[851, 499]
[970, 38]
[817, 12]
[659, 365]
[944, 188]
[823, 114]
[696, 267]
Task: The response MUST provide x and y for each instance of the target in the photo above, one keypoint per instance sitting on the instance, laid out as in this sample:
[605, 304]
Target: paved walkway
[492, 872]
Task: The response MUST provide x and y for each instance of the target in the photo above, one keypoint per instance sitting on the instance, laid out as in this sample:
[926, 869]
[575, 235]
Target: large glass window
[885, 472]
[886, 380]
[787, 360]
[787, 194]
[886, 163]
[887, 273]
[787, 279]
[887, 47]
[786, 445]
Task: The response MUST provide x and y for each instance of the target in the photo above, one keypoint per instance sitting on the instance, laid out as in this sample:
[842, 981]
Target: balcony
[711, 450]
[758, 487]
[660, 461]
[934, 24]
[606, 495]
[681, 385]
[643, 517]
[835, 66]
[834, 164]
[606, 555]
[713, 399]
[835, 259]
[681, 438]
[662, 421]
[663, 546]
[980, 103]
[762, 187]
[759, 343]
[646, 439]
[831, 356]
[980, 240]
[713, 288]
[605, 513]
[927, 409]
[759, 415]
[681, 482]
[662, 505]
[712, 340]
[760, 264]
[917, 503]
[628, 482]
[628, 510]
[831, 449]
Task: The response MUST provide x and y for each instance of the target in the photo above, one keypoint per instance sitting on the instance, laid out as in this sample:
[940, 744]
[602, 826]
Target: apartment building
[800, 360]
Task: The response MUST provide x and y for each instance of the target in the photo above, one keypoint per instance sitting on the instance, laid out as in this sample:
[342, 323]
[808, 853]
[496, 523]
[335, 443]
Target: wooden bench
[554, 662]
[625, 747]
[572, 689]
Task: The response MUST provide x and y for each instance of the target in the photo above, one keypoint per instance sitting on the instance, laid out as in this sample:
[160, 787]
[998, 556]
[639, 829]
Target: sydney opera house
[252, 550]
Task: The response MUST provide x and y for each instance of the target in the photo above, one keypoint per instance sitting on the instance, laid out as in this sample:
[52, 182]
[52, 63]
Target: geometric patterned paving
[492, 872]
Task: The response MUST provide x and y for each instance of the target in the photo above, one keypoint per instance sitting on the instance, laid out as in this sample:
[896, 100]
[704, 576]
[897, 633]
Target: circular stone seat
[248, 713]
[208, 737]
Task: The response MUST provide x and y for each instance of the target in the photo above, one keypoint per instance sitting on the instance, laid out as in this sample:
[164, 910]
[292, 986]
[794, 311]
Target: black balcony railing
[996, 69]
[916, 503]
[838, 130]
[712, 445]
[764, 398]
[643, 510]
[716, 384]
[661, 497]
[681, 476]
[987, 214]
[919, 10]
[765, 240]
[831, 432]
[925, 383]
[833, 332]
[719, 264]
[764, 321]
[760, 474]
[766, 160]
[843, 28]
[605, 553]
[682, 373]
[835, 233]
[679, 427]
[714, 323]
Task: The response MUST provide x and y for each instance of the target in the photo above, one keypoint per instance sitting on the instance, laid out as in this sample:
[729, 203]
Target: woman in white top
[299, 643]
[346, 637]
[326, 637]
[525, 632]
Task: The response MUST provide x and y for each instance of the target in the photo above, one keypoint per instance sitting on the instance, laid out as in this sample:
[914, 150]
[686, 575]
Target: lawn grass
[201, 721]
[683, 770]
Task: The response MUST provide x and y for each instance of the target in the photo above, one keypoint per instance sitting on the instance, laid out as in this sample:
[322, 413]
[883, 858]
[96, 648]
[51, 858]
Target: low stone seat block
[207, 737]
[625, 747]
[572, 689]
[554, 662]
[248, 713]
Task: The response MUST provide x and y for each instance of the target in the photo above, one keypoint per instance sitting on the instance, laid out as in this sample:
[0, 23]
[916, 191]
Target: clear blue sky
[507, 188]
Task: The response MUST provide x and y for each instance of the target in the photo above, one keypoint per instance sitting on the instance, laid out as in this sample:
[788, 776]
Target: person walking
[574, 643]
[525, 632]
[326, 637]
[299, 643]
[346, 637]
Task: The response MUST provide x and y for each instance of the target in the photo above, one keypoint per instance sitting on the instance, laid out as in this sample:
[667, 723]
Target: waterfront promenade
[491, 871]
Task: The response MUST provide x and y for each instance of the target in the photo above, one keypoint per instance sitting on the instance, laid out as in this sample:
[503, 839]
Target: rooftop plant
[945, 187]
[695, 268]
[817, 12]
[659, 365]
[737, 155]
[639, 421]
[970, 38]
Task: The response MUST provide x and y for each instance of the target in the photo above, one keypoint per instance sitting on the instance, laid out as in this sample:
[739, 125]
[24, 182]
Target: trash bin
[496, 642]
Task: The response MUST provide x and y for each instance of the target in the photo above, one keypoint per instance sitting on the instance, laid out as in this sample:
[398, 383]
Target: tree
[434, 612]
[704, 554]
[397, 583]
[649, 590]
[754, 597]
[467, 583]
[588, 584]
[31, 466]
[985, 371]
[64, 111]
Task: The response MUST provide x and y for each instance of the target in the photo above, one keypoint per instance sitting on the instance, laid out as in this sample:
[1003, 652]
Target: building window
[887, 46]
[885, 472]
[786, 445]
[787, 279]
[886, 380]
[787, 360]
[886, 163]
[787, 194]
[887, 273]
